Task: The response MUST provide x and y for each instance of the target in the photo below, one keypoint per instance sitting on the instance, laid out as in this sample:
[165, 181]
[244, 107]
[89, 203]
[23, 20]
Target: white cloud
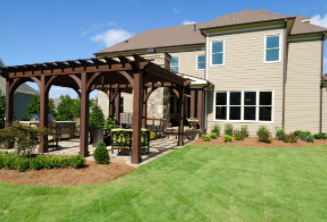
[176, 11]
[320, 21]
[112, 23]
[112, 36]
[188, 22]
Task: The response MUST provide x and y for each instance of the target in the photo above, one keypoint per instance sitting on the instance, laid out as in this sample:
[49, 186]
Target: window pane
[249, 113]
[201, 58]
[200, 65]
[272, 55]
[235, 113]
[265, 98]
[217, 59]
[217, 47]
[235, 98]
[174, 61]
[174, 69]
[221, 112]
[272, 42]
[249, 98]
[221, 98]
[265, 113]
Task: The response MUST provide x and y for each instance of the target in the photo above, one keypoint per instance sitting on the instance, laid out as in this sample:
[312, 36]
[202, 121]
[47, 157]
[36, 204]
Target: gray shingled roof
[185, 35]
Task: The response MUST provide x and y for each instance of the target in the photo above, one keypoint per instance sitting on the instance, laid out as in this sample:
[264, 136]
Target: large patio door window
[246, 106]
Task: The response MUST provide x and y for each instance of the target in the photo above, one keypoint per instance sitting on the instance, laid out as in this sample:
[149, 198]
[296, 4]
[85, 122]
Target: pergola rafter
[85, 75]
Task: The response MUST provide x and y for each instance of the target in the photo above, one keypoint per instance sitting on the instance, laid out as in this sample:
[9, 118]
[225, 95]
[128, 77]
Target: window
[217, 53]
[200, 62]
[174, 64]
[121, 105]
[272, 50]
[244, 106]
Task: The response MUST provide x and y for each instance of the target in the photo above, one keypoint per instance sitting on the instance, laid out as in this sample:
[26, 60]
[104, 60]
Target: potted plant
[193, 122]
[108, 125]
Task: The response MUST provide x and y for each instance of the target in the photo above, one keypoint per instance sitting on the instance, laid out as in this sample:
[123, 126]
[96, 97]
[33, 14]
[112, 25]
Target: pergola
[110, 74]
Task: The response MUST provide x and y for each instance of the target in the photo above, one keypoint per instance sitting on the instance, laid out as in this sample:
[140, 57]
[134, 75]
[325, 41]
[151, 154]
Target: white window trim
[213, 41]
[265, 45]
[179, 62]
[197, 61]
[242, 105]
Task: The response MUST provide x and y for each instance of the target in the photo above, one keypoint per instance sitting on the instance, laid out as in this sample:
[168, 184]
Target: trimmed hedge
[100, 154]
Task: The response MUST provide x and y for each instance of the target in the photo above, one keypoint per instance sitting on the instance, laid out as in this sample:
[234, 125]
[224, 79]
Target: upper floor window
[200, 61]
[174, 64]
[272, 50]
[217, 53]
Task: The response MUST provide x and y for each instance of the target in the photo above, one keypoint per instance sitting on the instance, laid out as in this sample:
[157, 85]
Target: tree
[93, 102]
[76, 108]
[96, 116]
[34, 108]
[64, 112]
[2, 109]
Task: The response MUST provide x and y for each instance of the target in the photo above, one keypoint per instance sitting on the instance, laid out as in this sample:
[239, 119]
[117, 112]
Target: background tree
[93, 102]
[2, 109]
[96, 116]
[64, 112]
[34, 108]
[76, 108]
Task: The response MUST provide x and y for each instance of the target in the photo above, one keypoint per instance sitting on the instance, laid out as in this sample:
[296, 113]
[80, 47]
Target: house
[256, 68]
[22, 97]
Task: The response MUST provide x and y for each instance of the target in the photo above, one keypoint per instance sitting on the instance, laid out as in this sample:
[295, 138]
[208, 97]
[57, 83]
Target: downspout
[321, 86]
[284, 72]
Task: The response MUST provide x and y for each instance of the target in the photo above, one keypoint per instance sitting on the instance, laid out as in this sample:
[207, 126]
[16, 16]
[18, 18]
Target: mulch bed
[92, 173]
[253, 142]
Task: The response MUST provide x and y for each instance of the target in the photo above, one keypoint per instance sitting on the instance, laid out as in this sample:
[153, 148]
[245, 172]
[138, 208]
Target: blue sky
[45, 31]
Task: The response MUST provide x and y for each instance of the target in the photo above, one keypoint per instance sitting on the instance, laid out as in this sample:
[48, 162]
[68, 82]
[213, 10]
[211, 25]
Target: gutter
[321, 84]
[284, 73]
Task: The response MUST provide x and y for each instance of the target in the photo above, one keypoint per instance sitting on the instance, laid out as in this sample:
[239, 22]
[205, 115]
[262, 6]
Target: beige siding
[302, 86]
[244, 69]
[188, 62]
[104, 102]
[324, 111]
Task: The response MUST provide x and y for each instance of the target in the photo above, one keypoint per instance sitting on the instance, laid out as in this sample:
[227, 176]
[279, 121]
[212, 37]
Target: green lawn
[195, 183]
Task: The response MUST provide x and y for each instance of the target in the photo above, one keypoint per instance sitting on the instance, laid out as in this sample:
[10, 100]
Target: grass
[195, 183]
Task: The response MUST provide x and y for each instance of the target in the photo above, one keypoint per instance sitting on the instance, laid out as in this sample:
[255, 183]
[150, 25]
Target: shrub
[290, 138]
[228, 138]
[280, 133]
[216, 129]
[100, 154]
[63, 161]
[229, 129]
[321, 136]
[9, 161]
[264, 135]
[1, 162]
[108, 125]
[47, 162]
[305, 135]
[36, 163]
[77, 161]
[239, 134]
[261, 130]
[213, 136]
[206, 138]
[96, 116]
[244, 129]
[22, 164]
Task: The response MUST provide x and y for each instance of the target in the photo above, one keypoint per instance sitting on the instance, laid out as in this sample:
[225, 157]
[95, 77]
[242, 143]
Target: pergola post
[181, 116]
[192, 107]
[144, 108]
[44, 100]
[111, 105]
[137, 116]
[84, 134]
[201, 108]
[9, 104]
[117, 108]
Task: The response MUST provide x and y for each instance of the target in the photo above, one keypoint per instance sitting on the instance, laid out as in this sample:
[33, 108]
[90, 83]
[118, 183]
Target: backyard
[194, 183]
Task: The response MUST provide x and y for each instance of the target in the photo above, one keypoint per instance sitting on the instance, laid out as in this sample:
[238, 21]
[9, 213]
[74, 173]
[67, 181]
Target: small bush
[239, 134]
[213, 136]
[100, 154]
[264, 135]
[321, 136]
[22, 164]
[245, 131]
[290, 138]
[228, 138]
[9, 161]
[63, 161]
[77, 161]
[305, 135]
[262, 129]
[36, 163]
[1, 162]
[206, 138]
[229, 129]
[216, 129]
[280, 133]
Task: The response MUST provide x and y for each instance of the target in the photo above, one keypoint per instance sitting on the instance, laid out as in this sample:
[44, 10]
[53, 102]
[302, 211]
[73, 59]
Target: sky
[38, 31]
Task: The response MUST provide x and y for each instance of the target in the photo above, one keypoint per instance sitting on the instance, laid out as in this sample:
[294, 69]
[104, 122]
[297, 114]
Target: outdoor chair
[123, 139]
